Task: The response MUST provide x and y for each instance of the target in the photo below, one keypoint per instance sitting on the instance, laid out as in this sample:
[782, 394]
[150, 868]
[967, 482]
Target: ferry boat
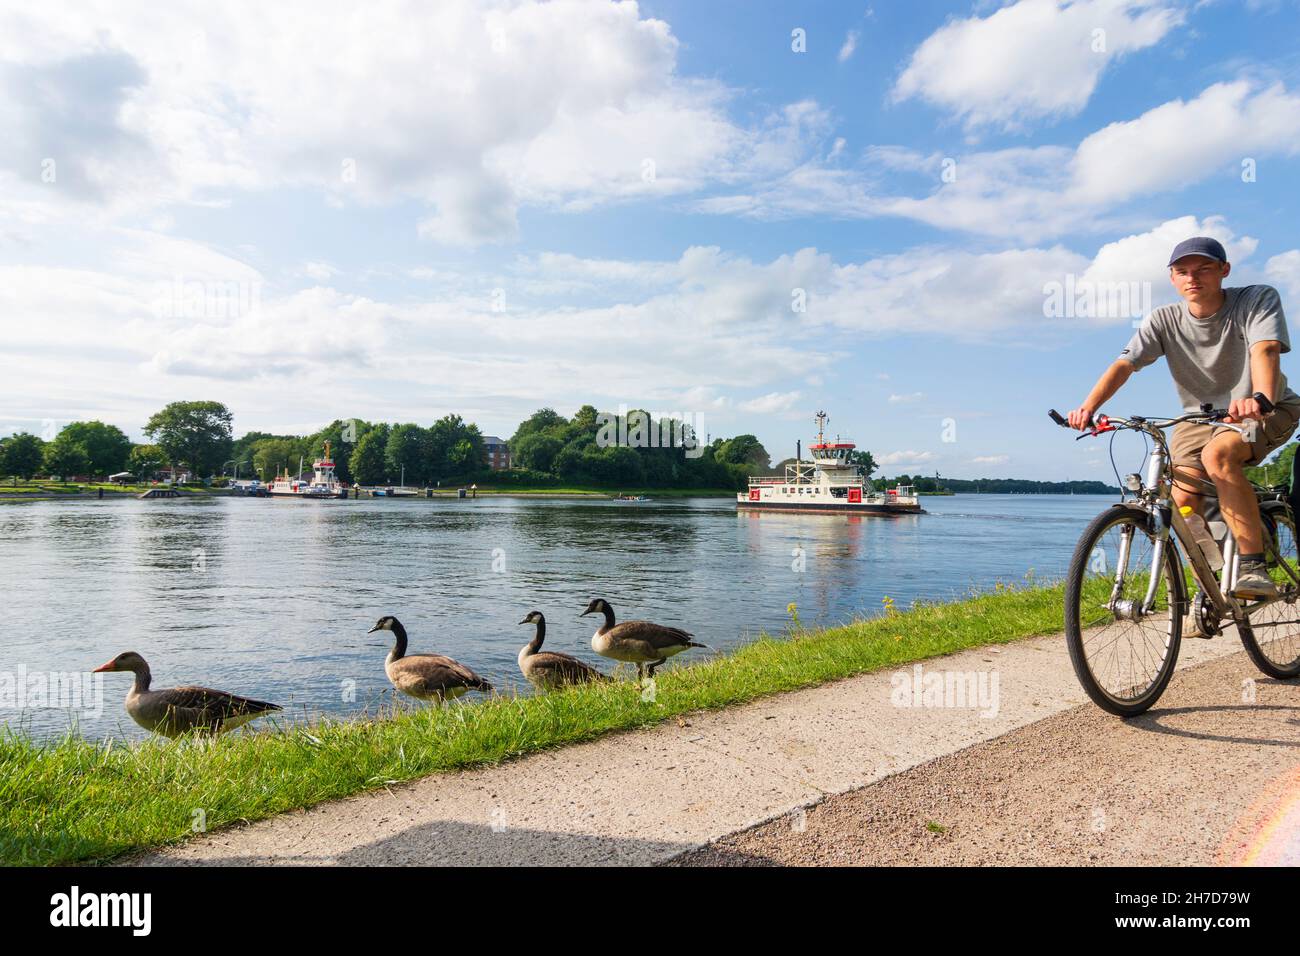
[324, 483]
[829, 483]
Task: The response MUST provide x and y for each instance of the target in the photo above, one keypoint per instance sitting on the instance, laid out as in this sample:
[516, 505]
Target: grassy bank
[73, 800]
[73, 489]
[595, 492]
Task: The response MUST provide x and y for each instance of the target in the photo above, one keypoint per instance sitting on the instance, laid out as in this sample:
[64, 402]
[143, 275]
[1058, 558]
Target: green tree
[22, 455]
[145, 460]
[197, 434]
[107, 446]
[584, 420]
[864, 460]
[241, 453]
[1277, 471]
[272, 455]
[343, 435]
[544, 421]
[535, 451]
[405, 453]
[66, 458]
[368, 462]
[743, 450]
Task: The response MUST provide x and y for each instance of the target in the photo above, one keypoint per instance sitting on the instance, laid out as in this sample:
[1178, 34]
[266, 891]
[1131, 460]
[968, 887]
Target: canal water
[272, 598]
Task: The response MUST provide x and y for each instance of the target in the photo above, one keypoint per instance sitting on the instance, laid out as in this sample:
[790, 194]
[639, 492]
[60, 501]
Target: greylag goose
[425, 676]
[548, 669]
[174, 711]
[637, 642]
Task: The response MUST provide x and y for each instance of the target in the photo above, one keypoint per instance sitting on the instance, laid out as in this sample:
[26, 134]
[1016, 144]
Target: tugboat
[324, 483]
[829, 483]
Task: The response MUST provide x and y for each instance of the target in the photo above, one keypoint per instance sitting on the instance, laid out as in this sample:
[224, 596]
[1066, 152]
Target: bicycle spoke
[1273, 626]
[1125, 656]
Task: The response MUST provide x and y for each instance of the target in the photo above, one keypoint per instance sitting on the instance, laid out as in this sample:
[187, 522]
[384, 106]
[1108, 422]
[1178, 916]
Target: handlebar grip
[1265, 405]
[1056, 417]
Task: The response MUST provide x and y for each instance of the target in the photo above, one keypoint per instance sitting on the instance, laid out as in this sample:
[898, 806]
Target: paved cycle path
[1207, 777]
[649, 796]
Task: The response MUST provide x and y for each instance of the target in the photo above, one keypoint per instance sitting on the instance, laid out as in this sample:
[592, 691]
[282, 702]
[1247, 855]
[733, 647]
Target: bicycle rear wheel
[1272, 636]
[1123, 659]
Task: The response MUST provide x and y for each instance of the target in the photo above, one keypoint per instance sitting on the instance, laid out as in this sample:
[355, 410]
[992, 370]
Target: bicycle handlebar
[1208, 415]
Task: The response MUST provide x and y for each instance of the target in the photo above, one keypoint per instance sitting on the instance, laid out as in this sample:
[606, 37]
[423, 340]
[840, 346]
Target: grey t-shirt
[1209, 358]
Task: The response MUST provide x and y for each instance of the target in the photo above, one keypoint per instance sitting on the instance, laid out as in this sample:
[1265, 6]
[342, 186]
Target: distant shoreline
[572, 494]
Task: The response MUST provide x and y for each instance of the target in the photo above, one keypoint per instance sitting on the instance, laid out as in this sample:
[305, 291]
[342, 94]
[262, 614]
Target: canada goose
[177, 710]
[548, 669]
[425, 676]
[637, 642]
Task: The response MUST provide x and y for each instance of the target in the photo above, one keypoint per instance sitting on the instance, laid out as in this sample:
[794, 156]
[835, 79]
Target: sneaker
[1253, 581]
[1192, 627]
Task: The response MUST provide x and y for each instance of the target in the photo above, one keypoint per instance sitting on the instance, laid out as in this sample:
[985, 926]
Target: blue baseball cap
[1199, 246]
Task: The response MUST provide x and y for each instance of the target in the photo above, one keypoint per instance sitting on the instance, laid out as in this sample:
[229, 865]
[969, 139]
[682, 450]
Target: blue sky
[315, 211]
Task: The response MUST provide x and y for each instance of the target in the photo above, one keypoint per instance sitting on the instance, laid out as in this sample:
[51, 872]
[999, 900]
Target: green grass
[74, 800]
[84, 488]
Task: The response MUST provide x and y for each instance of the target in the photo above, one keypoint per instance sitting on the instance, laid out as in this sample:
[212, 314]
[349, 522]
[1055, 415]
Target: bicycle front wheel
[1123, 655]
[1272, 636]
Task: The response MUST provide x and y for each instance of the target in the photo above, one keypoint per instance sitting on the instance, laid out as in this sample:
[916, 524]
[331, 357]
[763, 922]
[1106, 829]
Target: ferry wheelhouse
[830, 482]
[323, 484]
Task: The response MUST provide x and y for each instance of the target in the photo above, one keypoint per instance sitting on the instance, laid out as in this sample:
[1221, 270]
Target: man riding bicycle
[1223, 346]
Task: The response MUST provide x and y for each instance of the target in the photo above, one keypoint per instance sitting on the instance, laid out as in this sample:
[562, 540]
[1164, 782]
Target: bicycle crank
[1204, 618]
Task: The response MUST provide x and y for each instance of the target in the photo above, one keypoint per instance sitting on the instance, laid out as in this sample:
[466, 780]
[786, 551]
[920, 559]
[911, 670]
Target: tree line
[590, 448]
[632, 450]
[371, 453]
[192, 434]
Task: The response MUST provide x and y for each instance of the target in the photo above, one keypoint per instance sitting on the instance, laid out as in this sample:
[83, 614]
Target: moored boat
[323, 483]
[830, 483]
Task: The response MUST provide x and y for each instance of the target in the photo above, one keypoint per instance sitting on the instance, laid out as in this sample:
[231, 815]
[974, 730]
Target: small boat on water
[831, 482]
[323, 483]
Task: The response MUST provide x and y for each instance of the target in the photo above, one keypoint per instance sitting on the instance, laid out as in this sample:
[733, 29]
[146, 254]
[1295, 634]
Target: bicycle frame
[1156, 499]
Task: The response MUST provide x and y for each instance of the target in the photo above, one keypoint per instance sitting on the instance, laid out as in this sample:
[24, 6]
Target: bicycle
[1125, 673]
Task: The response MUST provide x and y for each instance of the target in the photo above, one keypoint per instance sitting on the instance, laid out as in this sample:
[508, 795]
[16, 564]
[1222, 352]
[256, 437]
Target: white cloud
[850, 45]
[1030, 194]
[1115, 164]
[771, 403]
[907, 458]
[1029, 60]
[183, 317]
[1283, 270]
[319, 271]
[990, 459]
[472, 109]
[117, 338]
[1226, 121]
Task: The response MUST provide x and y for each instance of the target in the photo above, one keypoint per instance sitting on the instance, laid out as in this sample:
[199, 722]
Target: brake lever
[1100, 424]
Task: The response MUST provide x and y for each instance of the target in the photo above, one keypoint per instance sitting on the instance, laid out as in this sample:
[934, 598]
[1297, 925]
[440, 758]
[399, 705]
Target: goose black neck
[142, 677]
[535, 644]
[609, 617]
[399, 640]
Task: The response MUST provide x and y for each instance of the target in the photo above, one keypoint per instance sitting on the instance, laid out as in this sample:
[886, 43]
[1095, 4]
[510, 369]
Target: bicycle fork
[1136, 610]
[1160, 512]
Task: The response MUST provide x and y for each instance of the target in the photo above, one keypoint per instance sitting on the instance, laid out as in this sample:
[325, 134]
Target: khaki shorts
[1189, 439]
